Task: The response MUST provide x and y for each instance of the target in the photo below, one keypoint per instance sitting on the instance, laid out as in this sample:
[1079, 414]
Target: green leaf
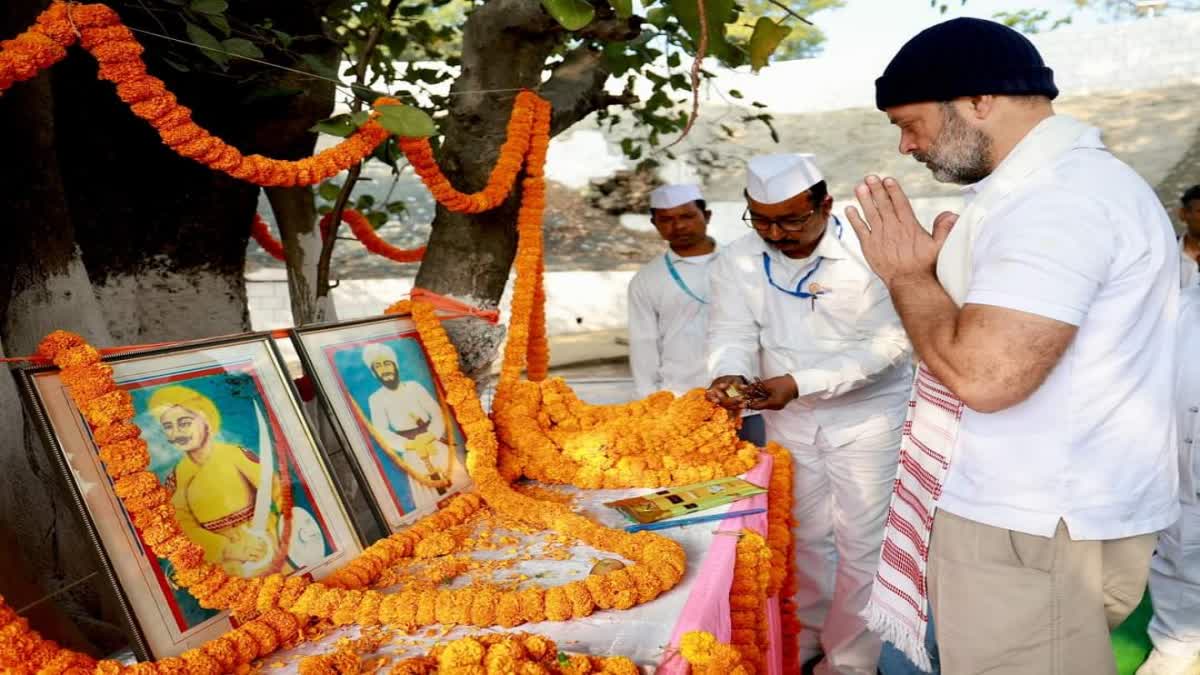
[242, 47]
[765, 40]
[377, 219]
[360, 118]
[571, 14]
[623, 8]
[209, 6]
[364, 202]
[658, 17]
[329, 191]
[389, 154]
[285, 40]
[219, 22]
[365, 93]
[407, 121]
[338, 125]
[318, 65]
[563, 660]
[734, 93]
[176, 65]
[718, 13]
[210, 45]
[396, 207]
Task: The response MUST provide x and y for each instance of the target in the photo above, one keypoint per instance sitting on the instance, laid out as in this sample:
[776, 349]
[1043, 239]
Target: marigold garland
[750, 632]
[521, 132]
[545, 431]
[99, 30]
[261, 233]
[508, 654]
[780, 521]
[658, 562]
[707, 656]
[365, 233]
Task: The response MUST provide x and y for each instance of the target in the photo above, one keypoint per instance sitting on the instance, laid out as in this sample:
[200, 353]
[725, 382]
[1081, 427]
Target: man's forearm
[930, 318]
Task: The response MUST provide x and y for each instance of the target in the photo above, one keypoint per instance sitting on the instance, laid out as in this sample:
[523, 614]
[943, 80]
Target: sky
[884, 25]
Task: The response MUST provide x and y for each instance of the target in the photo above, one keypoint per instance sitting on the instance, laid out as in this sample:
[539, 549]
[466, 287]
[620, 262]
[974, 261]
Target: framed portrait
[376, 385]
[249, 482]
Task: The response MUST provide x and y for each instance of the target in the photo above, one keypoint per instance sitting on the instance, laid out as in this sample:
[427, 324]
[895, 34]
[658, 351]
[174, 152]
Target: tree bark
[45, 287]
[506, 44]
[112, 235]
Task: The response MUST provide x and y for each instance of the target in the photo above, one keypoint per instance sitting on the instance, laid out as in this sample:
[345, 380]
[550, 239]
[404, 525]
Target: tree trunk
[113, 236]
[45, 287]
[296, 213]
[505, 47]
[469, 256]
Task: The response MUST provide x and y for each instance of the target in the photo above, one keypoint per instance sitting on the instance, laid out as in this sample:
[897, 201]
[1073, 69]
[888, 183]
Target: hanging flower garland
[750, 632]
[780, 522]
[261, 233]
[513, 153]
[359, 225]
[365, 233]
[99, 30]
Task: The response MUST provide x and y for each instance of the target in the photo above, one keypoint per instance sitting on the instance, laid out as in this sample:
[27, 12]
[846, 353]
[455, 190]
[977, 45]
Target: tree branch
[612, 29]
[576, 88]
[330, 237]
[519, 15]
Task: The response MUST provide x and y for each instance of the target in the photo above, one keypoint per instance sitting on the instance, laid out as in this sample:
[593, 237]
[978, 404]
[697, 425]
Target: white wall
[576, 302]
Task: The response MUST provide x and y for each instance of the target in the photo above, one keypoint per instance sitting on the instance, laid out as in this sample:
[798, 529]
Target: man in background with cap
[1039, 457]
[668, 298]
[795, 302]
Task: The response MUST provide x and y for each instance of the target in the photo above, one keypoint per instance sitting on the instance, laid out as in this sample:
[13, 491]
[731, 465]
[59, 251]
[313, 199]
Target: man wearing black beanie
[1039, 459]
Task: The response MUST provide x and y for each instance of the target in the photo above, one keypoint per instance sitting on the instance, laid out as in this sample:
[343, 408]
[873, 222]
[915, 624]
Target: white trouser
[1175, 586]
[841, 499]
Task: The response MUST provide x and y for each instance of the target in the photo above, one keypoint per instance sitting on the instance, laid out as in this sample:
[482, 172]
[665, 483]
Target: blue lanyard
[679, 280]
[800, 292]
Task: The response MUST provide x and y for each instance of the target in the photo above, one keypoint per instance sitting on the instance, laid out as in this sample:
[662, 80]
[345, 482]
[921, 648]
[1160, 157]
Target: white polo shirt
[667, 322]
[1084, 241]
[1187, 394]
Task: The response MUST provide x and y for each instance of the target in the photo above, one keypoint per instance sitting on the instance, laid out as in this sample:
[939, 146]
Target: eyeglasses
[763, 223]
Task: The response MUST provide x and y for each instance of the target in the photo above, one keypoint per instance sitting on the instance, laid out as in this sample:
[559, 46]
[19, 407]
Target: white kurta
[667, 325]
[404, 409]
[847, 350]
[1175, 569]
[850, 358]
[1189, 270]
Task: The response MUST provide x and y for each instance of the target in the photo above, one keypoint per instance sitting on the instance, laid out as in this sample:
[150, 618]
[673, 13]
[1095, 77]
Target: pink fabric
[707, 606]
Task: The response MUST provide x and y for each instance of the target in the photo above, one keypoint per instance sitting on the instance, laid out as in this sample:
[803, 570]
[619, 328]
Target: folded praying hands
[893, 241]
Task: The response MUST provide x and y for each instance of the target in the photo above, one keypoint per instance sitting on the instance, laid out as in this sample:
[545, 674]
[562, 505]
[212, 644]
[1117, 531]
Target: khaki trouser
[1008, 602]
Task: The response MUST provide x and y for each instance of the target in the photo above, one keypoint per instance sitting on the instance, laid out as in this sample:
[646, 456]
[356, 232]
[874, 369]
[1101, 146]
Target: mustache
[180, 440]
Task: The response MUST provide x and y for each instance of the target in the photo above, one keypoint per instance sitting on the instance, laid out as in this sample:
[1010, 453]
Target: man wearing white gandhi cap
[794, 302]
[407, 420]
[668, 298]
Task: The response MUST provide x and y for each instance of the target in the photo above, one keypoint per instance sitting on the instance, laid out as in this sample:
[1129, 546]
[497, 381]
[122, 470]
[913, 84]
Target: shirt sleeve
[645, 358]
[884, 345]
[1048, 255]
[732, 329]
